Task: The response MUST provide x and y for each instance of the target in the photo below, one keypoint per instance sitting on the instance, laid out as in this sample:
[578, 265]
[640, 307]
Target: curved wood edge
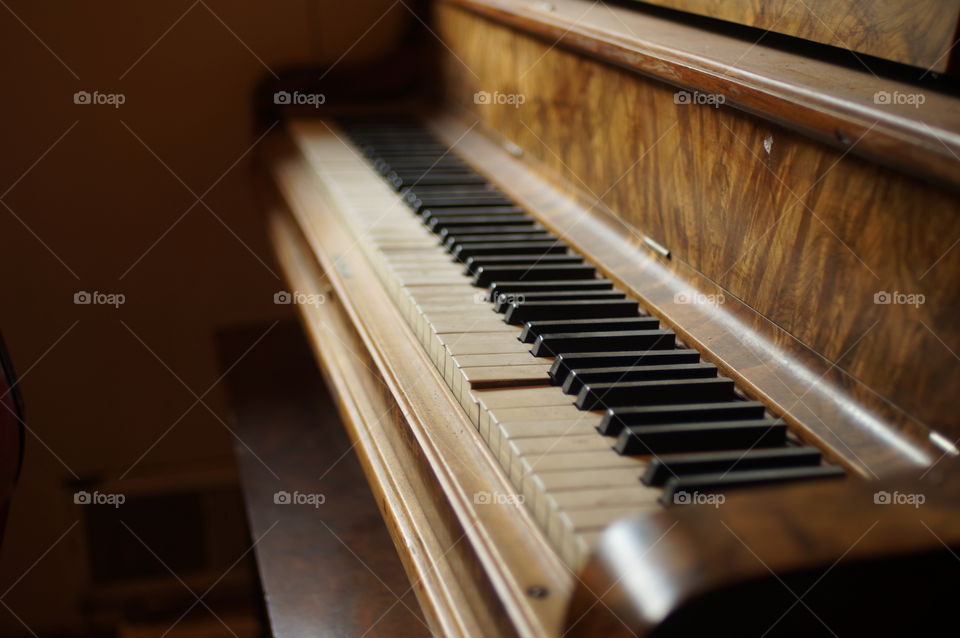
[650, 569]
[824, 405]
[502, 546]
[828, 102]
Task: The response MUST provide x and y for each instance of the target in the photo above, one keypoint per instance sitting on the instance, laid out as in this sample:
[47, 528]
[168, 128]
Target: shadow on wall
[129, 233]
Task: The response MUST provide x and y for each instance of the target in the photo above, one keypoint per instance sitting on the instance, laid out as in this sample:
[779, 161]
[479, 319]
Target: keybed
[592, 408]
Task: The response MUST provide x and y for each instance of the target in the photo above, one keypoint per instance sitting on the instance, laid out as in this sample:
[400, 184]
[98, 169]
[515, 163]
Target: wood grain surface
[917, 32]
[807, 236]
[904, 123]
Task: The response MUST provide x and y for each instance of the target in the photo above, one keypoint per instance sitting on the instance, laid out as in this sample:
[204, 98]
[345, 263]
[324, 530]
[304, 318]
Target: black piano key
[579, 379]
[455, 190]
[406, 145]
[701, 437]
[402, 149]
[393, 137]
[486, 275]
[381, 151]
[429, 194]
[463, 250]
[512, 260]
[422, 190]
[449, 236]
[661, 468]
[383, 132]
[575, 379]
[518, 288]
[548, 345]
[498, 238]
[533, 329]
[441, 170]
[617, 418]
[436, 224]
[366, 129]
[680, 491]
[384, 127]
[633, 393]
[568, 304]
[384, 166]
[464, 201]
[436, 195]
[568, 362]
[394, 141]
[423, 157]
[515, 237]
[404, 179]
[439, 211]
[496, 235]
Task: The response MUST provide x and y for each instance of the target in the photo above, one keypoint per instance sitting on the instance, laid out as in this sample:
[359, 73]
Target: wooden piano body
[813, 224]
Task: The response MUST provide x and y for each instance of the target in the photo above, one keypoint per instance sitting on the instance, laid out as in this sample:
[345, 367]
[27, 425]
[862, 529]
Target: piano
[642, 323]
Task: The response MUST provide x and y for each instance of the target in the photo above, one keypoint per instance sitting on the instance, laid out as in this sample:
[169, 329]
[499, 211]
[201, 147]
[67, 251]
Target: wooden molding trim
[832, 103]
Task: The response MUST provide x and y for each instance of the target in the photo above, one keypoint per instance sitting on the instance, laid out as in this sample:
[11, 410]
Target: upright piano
[642, 317]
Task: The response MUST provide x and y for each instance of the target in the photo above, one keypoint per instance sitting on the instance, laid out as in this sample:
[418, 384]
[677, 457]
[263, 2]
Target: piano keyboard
[594, 410]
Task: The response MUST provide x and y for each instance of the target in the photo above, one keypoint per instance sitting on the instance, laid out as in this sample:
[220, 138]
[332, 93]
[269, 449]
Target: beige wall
[98, 200]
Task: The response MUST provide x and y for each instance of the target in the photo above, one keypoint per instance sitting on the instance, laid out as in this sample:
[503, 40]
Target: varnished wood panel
[917, 32]
[804, 234]
[849, 107]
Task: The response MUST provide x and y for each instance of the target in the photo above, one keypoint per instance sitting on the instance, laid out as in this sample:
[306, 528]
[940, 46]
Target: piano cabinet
[761, 215]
